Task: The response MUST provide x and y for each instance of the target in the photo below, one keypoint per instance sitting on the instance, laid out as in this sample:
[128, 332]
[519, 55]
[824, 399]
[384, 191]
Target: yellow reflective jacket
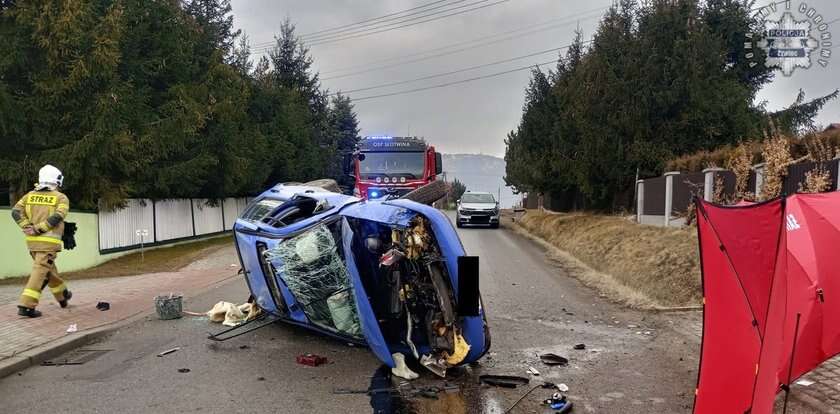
[45, 211]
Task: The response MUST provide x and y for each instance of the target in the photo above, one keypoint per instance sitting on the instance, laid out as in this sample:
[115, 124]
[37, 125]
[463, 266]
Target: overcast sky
[471, 117]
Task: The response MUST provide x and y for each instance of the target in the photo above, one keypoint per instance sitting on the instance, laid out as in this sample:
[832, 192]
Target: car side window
[260, 209]
[294, 210]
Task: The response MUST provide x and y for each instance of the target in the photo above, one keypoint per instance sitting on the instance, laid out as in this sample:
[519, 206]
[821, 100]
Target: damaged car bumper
[392, 275]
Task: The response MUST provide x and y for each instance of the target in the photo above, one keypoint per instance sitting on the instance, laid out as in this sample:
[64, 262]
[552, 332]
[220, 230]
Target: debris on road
[401, 369]
[169, 307]
[311, 360]
[558, 402]
[533, 371]
[169, 351]
[563, 387]
[521, 398]
[230, 314]
[580, 347]
[72, 328]
[103, 306]
[183, 370]
[553, 359]
[504, 381]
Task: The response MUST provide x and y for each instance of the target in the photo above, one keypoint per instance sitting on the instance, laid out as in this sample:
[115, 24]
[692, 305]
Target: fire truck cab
[392, 166]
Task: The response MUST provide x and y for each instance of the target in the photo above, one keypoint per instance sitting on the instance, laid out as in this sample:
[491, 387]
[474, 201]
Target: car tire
[428, 193]
[494, 225]
[458, 224]
[325, 183]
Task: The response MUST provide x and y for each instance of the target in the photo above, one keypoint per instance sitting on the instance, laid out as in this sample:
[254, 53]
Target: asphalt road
[633, 361]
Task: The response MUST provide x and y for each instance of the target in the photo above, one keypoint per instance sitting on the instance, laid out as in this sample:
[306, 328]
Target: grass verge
[162, 259]
[642, 266]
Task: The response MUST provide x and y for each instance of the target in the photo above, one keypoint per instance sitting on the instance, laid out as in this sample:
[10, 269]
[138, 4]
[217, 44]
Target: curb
[59, 346]
[44, 352]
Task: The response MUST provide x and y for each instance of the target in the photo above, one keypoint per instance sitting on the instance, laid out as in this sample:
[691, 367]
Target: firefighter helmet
[49, 175]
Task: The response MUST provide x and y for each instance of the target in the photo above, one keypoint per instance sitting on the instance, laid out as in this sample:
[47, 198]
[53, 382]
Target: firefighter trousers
[44, 273]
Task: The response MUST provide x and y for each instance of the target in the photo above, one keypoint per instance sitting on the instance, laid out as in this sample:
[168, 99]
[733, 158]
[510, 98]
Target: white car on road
[477, 208]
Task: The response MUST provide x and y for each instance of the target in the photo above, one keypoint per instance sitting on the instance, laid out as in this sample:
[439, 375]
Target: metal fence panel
[208, 219]
[685, 186]
[173, 220]
[654, 196]
[117, 229]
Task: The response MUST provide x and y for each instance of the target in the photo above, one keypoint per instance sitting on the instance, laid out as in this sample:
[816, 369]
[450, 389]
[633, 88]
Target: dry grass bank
[639, 265]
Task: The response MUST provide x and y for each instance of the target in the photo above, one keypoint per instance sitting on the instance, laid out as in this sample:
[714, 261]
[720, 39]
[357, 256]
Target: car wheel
[494, 225]
[458, 224]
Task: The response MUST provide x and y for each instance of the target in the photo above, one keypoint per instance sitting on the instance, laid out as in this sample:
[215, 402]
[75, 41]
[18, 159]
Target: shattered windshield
[392, 163]
[312, 268]
[477, 198]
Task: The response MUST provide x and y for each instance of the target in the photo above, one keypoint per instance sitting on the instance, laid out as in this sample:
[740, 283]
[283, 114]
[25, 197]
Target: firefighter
[40, 213]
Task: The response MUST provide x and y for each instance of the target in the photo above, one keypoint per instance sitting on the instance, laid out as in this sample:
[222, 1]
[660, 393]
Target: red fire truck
[386, 166]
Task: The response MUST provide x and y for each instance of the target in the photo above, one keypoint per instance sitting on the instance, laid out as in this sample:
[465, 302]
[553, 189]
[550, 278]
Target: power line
[413, 21]
[375, 24]
[368, 69]
[483, 6]
[371, 19]
[460, 81]
[443, 85]
[311, 38]
[467, 69]
[366, 22]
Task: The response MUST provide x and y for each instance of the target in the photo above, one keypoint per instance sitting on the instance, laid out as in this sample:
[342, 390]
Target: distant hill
[480, 173]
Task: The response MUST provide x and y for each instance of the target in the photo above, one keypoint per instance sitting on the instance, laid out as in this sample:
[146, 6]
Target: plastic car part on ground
[311, 360]
[230, 314]
[558, 402]
[402, 370]
[553, 359]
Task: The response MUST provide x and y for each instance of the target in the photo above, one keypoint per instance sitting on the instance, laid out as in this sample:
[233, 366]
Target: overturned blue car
[389, 274]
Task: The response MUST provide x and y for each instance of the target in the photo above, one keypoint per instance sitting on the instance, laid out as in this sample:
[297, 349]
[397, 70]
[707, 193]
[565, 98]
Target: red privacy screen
[771, 287]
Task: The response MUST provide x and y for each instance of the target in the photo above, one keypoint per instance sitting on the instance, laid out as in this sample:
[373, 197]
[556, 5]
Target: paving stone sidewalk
[128, 296]
[819, 388]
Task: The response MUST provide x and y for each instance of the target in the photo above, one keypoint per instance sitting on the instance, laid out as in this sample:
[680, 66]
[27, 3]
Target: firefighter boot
[28, 312]
[67, 295]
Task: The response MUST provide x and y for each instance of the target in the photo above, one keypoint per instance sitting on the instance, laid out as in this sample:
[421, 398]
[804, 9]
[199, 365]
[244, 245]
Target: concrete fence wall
[663, 201]
[106, 235]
